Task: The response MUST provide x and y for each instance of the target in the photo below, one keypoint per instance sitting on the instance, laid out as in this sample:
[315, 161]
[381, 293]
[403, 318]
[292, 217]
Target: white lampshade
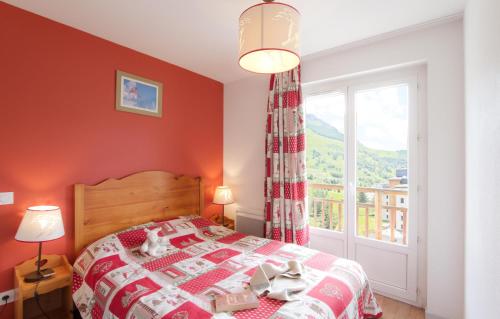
[270, 38]
[41, 223]
[223, 196]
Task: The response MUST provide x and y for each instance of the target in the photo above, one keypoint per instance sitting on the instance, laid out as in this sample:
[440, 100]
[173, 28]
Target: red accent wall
[59, 126]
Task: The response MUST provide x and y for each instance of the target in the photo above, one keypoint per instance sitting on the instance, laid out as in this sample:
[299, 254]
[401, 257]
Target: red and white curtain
[285, 185]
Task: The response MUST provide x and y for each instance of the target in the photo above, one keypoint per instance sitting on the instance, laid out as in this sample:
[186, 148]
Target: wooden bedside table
[62, 279]
[228, 222]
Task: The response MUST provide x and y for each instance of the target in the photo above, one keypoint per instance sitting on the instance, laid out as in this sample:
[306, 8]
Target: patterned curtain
[285, 185]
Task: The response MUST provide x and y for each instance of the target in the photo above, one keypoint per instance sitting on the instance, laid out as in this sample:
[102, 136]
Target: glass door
[326, 173]
[361, 139]
[382, 170]
[382, 181]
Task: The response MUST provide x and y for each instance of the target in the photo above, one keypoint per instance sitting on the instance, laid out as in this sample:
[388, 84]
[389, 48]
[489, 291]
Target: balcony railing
[377, 211]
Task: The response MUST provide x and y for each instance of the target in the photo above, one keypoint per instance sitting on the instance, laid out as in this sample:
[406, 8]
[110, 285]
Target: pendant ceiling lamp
[269, 38]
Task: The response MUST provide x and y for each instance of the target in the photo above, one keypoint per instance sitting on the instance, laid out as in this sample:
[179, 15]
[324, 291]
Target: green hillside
[325, 157]
[323, 128]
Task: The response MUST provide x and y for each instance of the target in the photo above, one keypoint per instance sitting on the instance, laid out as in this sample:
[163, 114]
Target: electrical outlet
[11, 293]
[7, 198]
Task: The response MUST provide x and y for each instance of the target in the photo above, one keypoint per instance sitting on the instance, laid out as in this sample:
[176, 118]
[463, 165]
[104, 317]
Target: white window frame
[414, 75]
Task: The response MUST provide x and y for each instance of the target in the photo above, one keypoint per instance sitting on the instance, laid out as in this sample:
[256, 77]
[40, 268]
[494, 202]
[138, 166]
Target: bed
[113, 279]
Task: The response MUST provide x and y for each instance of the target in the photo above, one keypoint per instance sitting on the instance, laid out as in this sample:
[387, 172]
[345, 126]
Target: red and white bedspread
[112, 279]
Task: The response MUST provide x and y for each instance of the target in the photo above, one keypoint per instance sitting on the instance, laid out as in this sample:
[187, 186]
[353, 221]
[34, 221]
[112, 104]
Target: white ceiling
[202, 35]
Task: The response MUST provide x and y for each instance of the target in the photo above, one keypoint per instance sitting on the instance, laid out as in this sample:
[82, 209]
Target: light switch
[7, 198]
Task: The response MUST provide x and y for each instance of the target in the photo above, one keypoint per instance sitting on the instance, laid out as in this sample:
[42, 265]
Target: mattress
[113, 279]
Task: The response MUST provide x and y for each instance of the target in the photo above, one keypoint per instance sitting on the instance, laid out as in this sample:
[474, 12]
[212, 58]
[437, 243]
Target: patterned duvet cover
[113, 279]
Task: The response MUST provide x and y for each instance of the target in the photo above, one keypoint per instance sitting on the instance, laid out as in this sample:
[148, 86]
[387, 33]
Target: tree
[362, 197]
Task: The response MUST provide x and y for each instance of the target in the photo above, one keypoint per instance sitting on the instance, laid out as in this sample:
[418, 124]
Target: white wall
[245, 105]
[482, 61]
[441, 47]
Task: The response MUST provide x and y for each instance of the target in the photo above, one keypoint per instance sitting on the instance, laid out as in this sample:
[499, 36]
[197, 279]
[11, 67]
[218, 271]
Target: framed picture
[138, 95]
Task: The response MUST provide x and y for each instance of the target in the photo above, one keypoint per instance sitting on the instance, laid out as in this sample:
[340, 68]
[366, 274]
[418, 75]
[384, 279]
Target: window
[359, 135]
[381, 136]
[363, 164]
[325, 117]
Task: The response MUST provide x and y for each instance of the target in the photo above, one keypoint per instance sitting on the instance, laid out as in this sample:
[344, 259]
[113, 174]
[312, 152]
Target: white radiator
[249, 221]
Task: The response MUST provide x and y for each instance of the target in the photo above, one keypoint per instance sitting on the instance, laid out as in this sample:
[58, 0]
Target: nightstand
[61, 279]
[228, 222]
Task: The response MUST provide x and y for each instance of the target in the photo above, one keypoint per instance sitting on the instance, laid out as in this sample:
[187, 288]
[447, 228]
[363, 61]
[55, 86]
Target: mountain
[322, 128]
[325, 157]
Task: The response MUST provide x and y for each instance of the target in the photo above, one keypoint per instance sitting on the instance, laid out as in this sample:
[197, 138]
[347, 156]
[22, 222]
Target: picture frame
[138, 95]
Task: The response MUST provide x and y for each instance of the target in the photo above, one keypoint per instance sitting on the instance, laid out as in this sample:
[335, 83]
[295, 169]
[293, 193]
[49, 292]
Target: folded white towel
[286, 280]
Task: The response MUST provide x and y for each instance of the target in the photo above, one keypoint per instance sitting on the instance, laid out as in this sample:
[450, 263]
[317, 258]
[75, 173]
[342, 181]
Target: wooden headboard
[117, 204]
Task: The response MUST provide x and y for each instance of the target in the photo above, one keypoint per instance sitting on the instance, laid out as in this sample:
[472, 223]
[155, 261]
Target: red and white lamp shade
[269, 38]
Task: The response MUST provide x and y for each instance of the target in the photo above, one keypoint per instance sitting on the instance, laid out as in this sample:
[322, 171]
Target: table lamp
[39, 224]
[223, 196]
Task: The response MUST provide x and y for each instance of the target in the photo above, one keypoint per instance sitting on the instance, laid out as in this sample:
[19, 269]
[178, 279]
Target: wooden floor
[393, 309]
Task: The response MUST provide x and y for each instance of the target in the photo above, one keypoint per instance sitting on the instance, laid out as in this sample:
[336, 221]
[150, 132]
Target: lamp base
[39, 276]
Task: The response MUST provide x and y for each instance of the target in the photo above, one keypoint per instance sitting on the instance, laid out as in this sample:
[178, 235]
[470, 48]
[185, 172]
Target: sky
[381, 113]
[139, 95]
